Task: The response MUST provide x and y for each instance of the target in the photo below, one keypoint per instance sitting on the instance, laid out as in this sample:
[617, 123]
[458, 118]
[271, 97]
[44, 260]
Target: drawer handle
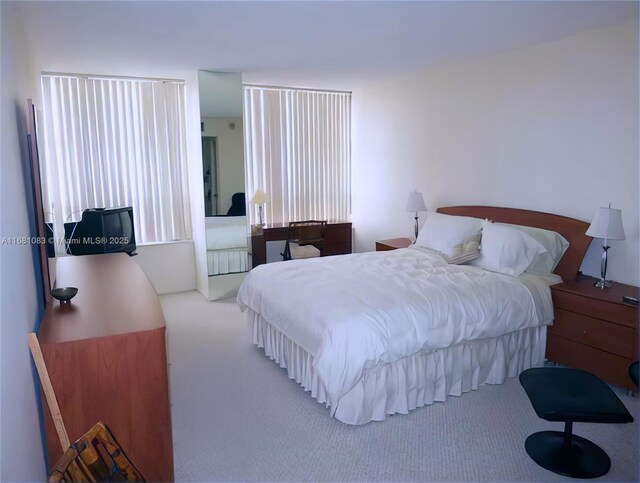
[584, 331]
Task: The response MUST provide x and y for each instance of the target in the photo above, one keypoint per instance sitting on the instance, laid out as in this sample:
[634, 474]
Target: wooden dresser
[337, 239]
[594, 329]
[106, 356]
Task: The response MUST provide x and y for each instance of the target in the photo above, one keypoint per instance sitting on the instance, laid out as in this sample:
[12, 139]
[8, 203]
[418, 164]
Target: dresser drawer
[609, 367]
[336, 248]
[337, 233]
[618, 313]
[597, 333]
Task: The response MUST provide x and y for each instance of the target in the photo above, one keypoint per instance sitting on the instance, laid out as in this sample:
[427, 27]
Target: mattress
[354, 313]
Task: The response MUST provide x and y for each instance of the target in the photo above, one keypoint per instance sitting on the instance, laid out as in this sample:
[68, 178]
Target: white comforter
[224, 232]
[353, 312]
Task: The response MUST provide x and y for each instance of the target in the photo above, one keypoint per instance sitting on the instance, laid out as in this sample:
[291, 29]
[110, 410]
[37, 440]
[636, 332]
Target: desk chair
[633, 373]
[305, 240]
[96, 456]
[238, 205]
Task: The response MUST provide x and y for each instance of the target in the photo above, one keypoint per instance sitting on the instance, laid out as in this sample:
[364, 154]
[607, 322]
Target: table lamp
[415, 203]
[606, 224]
[259, 198]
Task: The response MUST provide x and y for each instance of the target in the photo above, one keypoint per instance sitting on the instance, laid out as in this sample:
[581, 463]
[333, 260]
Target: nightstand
[392, 244]
[594, 329]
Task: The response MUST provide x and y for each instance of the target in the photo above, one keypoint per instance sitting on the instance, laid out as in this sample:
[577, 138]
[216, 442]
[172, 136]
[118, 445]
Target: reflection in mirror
[209, 169]
[223, 174]
[46, 254]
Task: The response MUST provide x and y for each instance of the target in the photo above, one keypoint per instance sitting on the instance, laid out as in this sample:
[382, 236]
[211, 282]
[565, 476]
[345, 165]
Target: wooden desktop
[337, 239]
[106, 355]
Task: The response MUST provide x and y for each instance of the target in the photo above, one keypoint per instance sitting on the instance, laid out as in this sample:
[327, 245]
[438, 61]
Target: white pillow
[443, 232]
[506, 250]
[555, 244]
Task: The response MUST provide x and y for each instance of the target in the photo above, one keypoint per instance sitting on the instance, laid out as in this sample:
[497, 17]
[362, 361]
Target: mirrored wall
[223, 179]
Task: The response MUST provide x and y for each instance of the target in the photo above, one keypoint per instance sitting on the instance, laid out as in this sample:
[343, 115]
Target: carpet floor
[237, 417]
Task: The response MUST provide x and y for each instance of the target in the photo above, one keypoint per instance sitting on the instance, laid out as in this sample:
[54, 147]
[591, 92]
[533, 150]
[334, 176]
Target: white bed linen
[225, 232]
[414, 381]
[355, 312]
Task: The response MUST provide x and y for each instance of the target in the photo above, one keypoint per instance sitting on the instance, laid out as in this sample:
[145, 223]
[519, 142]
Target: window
[110, 142]
[298, 151]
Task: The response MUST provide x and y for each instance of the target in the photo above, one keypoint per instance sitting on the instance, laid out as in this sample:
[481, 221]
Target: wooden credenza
[337, 239]
[106, 356]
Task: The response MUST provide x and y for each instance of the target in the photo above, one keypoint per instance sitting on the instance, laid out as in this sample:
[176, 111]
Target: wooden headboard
[570, 228]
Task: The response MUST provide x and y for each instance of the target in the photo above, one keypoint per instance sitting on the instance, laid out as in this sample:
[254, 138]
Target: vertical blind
[111, 142]
[298, 151]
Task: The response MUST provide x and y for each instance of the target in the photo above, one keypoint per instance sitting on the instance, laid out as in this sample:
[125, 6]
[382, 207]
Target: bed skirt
[230, 260]
[411, 382]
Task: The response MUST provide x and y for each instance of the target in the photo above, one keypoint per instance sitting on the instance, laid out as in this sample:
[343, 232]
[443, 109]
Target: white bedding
[355, 312]
[225, 232]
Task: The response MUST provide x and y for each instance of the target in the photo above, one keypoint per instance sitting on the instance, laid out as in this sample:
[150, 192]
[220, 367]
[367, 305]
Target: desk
[106, 356]
[337, 239]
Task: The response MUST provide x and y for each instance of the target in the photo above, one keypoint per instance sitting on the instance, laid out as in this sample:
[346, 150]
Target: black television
[102, 230]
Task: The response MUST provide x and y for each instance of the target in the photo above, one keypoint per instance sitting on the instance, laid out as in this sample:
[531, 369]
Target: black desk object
[570, 395]
[633, 373]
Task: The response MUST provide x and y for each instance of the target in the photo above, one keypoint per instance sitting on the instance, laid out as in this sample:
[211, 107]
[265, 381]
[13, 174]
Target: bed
[226, 244]
[378, 333]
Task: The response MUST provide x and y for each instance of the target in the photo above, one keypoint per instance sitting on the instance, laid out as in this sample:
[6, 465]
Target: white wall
[169, 266]
[230, 146]
[21, 444]
[553, 127]
[225, 286]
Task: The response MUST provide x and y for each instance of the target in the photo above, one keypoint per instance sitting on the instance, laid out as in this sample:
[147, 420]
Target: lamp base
[602, 283]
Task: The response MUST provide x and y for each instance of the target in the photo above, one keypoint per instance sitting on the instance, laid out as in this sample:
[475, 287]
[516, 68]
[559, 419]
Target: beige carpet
[237, 416]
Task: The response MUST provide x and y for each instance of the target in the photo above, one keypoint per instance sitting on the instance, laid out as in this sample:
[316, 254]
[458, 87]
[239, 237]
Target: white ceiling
[324, 37]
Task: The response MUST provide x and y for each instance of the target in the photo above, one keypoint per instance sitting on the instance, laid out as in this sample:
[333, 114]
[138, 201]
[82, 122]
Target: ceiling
[326, 37]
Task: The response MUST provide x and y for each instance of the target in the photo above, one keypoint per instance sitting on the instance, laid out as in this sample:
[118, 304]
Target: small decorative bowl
[64, 294]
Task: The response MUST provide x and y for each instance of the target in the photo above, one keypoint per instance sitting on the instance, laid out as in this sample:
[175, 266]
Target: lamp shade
[607, 224]
[415, 202]
[258, 197]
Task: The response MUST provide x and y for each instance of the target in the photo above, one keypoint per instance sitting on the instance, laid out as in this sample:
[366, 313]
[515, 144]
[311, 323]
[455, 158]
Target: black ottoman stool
[570, 395]
[633, 372]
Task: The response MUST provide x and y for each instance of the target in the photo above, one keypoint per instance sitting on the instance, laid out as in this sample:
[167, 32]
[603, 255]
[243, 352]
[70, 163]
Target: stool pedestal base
[567, 454]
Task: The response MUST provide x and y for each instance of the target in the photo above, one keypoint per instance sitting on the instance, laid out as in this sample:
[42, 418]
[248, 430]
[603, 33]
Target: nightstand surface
[585, 288]
[594, 329]
[392, 244]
